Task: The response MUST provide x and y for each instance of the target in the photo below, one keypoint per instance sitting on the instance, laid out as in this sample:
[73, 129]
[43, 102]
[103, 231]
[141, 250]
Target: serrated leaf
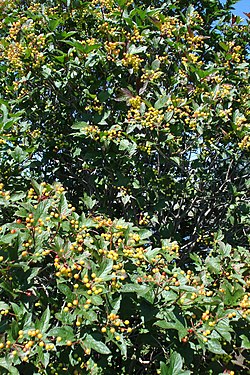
[145, 233]
[177, 325]
[122, 346]
[43, 356]
[63, 205]
[233, 293]
[79, 125]
[88, 201]
[17, 196]
[65, 332]
[105, 269]
[14, 330]
[41, 209]
[6, 365]
[133, 49]
[224, 329]
[141, 290]
[155, 64]
[98, 346]
[175, 159]
[7, 238]
[33, 273]
[66, 291]
[116, 305]
[213, 265]
[161, 102]
[19, 310]
[125, 145]
[44, 323]
[215, 347]
[19, 154]
[37, 187]
[175, 366]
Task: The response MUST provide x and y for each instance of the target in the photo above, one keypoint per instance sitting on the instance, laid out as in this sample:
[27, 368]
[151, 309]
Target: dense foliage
[124, 146]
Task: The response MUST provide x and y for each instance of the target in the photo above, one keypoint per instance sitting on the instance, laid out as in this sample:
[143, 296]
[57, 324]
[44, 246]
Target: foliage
[143, 108]
[88, 294]
[141, 111]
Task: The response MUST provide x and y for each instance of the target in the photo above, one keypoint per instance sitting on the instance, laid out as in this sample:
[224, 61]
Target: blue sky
[242, 6]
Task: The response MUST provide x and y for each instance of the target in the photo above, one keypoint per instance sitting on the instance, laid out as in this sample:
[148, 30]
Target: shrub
[88, 294]
[140, 111]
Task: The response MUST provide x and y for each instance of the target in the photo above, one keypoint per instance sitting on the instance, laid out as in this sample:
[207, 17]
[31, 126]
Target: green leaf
[128, 146]
[41, 210]
[90, 315]
[175, 159]
[224, 329]
[43, 356]
[65, 317]
[17, 196]
[145, 234]
[14, 329]
[88, 201]
[175, 366]
[215, 347]
[168, 115]
[134, 50]
[63, 205]
[245, 342]
[18, 154]
[225, 249]
[19, 310]
[163, 368]
[213, 265]
[177, 325]
[7, 238]
[126, 199]
[5, 112]
[224, 46]
[33, 273]
[105, 269]
[116, 305]
[170, 296]
[233, 293]
[8, 288]
[66, 291]
[79, 125]
[155, 64]
[37, 187]
[98, 346]
[141, 290]
[4, 306]
[122, 346]
[65, 332]
[44, 323]
[4, 362]
[82, 48]
[161, 102]
[53, 23]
